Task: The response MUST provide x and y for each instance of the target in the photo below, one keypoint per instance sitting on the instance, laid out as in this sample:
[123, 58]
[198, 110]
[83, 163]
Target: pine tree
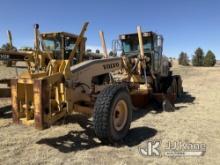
[210, 59]
[183, 59]
[198, 58]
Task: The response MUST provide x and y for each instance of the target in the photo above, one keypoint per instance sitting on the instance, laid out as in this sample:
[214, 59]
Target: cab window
[69, 44]
[132, 45]
[51, 44]
[147, 43]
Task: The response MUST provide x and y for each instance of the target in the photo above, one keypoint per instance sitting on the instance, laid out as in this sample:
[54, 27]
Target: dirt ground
[196, 120]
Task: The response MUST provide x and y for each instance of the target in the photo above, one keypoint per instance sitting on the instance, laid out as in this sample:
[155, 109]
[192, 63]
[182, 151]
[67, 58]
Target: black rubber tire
[173, 87]
[103, 112]
[167, 105]
[179, 87]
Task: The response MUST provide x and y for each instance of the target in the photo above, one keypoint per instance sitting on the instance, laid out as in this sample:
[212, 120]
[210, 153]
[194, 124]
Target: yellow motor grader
[91, 88]
[47, 46]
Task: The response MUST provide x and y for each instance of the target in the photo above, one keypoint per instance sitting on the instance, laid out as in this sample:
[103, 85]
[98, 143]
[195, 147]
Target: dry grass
[196, 120]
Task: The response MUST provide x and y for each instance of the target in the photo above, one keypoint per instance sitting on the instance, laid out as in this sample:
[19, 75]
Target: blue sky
[185, 24]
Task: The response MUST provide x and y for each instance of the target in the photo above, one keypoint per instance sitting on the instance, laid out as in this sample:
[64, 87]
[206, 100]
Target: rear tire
[179, 87]
[172, 90]
[112, 114]
[168, 105]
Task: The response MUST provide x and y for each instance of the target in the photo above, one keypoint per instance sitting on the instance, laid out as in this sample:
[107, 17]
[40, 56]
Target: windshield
[69, 44]
[51, 44]
[132, 45]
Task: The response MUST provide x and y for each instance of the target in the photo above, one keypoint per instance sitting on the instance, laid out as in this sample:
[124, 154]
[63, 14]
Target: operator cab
[61, 44]
[152, 43]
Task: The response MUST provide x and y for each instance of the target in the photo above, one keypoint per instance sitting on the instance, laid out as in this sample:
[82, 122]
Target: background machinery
[47, 46]
[91, 88]
[8, 47]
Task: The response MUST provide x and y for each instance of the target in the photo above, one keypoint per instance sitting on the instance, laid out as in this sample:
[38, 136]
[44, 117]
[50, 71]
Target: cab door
[157, 56]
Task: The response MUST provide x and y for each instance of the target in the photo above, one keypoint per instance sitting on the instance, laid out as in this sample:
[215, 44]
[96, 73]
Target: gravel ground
[196, 120]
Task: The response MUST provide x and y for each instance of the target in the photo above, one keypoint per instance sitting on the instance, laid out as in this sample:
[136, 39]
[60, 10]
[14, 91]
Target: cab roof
[56, 34]
[145, 34]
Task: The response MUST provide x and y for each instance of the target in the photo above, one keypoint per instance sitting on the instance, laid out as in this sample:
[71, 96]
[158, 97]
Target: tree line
[198, 59]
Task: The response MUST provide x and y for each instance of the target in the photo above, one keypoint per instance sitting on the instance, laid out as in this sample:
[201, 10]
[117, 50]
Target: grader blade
[39, 102]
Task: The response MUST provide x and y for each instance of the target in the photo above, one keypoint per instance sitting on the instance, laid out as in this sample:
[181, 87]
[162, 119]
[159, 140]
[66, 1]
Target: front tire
[112, 114]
